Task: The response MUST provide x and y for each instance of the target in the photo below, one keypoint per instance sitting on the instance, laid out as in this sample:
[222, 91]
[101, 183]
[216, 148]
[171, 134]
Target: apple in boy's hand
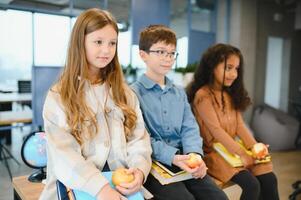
[194, 160]
[121, 175]
[260, 150]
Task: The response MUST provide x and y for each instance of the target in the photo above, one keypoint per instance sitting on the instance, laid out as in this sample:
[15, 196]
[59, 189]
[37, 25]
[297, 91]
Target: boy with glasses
[167, 114]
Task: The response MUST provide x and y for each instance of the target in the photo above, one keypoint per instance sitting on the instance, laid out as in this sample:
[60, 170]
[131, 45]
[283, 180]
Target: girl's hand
[260, 150]
[108, 193]
[247, 160]
[135, 185]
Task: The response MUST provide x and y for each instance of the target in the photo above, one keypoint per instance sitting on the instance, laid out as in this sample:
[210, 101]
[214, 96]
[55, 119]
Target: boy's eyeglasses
[163, 54]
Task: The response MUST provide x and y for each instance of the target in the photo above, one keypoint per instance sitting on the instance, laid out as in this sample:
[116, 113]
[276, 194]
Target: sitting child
[218, 97]
[167, 114]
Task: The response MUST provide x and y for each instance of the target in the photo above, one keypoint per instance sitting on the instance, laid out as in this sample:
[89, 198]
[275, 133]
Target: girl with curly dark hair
[217, 96]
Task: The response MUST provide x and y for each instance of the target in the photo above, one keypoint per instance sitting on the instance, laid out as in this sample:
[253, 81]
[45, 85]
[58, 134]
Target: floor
[287, 166]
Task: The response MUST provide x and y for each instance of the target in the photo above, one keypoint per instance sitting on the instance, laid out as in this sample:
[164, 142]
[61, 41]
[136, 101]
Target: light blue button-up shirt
[168, 118]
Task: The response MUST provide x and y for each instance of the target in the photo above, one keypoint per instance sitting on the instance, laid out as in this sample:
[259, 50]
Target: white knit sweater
[80, 168]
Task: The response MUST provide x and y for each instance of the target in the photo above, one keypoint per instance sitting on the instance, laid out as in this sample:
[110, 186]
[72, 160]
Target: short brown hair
[156, 33]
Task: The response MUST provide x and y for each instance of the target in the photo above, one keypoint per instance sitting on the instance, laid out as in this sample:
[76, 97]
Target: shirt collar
[148, 83]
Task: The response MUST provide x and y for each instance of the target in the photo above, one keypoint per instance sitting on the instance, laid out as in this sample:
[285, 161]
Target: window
[182, 48]
[51, 35]
[277, 73]
[124, 43]
[16, 47]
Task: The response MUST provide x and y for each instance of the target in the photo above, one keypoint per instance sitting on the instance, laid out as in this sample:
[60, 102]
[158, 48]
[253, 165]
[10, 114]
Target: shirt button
[164, 111]
[107, 143]
[167, 128]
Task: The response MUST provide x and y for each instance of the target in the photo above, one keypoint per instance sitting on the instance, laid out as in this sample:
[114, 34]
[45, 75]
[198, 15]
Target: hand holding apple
[260, 150]
[128, 188]
[194, 160]
[121, 175]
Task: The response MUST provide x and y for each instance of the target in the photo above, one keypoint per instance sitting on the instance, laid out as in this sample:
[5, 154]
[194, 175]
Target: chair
[297, 185]
[274, 127]
[5, 133]
[4, 156]
[297, 108]
[24, 86]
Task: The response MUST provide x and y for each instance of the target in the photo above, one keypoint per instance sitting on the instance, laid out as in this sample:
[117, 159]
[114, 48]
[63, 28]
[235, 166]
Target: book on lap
[168, 174]
[172, 170]
[69, 194]
[233, 159]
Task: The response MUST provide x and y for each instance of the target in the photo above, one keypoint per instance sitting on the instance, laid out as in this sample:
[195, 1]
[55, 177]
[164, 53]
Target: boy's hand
[200, 171]
[108, 193]
[135, 185]
[197, 172]
[181, 162]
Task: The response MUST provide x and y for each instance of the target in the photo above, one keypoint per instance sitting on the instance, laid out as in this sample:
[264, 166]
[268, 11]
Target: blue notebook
[80, 195]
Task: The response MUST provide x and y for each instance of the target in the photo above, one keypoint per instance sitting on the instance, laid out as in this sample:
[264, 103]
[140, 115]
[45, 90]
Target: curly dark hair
[204, 75]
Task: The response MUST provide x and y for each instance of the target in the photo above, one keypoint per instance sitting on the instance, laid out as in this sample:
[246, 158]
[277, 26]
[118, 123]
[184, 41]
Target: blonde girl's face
[231, 72]
[100, 47]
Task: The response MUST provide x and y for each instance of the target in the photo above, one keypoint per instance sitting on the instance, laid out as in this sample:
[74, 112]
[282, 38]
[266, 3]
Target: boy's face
[159, 59]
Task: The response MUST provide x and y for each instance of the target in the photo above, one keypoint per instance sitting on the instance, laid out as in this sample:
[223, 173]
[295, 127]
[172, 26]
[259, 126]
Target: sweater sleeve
[67, 162]
[205, 111]
[243, 132]
[138, 147]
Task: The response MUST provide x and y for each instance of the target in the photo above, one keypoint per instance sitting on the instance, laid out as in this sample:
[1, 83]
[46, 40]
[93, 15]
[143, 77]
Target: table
[10, 117]
[25, 190]
[15, 97]
[6, 102]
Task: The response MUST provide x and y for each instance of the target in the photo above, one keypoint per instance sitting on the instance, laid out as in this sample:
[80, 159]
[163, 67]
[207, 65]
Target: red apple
[120, 175]
[194, 160]
[259, 150]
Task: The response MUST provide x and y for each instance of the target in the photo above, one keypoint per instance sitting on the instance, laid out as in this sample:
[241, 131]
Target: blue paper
[80, 195]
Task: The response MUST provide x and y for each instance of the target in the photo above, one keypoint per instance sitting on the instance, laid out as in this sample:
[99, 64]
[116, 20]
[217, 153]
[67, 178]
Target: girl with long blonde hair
[92, 119]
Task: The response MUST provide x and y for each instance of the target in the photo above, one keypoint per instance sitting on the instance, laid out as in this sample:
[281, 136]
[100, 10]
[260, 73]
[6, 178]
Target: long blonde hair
[80, 117]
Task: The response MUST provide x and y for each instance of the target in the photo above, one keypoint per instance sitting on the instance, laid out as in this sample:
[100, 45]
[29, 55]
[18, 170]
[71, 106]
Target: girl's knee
[251, 185]
[273, 178]
[254, 185]
[268, 179]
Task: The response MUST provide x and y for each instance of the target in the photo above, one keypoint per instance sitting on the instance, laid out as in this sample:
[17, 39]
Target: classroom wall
[242, 34]
[295, 70]
[251, 23]
[268, 26]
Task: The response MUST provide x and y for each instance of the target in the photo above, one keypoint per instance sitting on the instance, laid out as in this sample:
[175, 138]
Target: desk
[6, 104]
[15, 97]
[25, 190]
[10, 117]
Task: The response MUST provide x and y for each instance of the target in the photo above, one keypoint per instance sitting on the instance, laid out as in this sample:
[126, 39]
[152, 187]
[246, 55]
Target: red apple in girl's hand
[260, 150]
[121, 176]
[194, 160]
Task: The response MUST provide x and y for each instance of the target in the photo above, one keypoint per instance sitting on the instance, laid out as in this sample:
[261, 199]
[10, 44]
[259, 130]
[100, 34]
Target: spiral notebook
[65, 193]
